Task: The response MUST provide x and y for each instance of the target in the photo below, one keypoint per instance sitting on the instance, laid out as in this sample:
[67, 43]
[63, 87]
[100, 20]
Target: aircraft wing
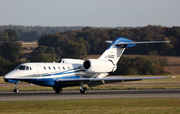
[99, 81]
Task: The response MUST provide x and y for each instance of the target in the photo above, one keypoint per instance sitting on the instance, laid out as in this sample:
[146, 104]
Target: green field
[87, 106]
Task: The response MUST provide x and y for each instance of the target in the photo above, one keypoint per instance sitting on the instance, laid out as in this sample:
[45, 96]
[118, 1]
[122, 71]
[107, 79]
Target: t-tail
[107, 62]
[118, 46]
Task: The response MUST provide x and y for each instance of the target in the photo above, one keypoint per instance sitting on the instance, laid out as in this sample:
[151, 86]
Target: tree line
[142, 65]
[10, 50]
[32, 33]
[91, 41]
[79, 43]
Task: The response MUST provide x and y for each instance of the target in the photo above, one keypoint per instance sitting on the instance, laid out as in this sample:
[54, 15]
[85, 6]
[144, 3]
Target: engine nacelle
[98, 66]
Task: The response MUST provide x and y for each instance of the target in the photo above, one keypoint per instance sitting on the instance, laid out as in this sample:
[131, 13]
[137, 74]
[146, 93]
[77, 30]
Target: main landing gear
[57, 89]
[82, 89]
[16, 90]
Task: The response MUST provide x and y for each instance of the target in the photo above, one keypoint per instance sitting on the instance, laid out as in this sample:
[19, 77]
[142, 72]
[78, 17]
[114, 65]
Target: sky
[95, 13]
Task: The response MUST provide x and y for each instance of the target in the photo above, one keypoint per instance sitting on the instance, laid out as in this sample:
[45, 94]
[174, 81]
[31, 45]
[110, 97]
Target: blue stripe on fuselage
[41, 80]
[64, 72]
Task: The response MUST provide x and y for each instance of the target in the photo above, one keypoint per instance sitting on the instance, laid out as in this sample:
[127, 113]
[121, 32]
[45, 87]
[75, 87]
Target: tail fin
[114, 52]
[117, 47]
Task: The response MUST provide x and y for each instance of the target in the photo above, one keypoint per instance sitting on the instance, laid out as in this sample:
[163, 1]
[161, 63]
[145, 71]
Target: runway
[92, 94]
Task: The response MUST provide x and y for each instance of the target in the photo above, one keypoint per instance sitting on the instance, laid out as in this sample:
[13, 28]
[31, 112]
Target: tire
[83, 91]
[16, 90]
[58, 90]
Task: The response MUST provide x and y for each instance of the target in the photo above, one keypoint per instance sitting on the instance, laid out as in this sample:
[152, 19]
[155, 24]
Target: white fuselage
[47, 73]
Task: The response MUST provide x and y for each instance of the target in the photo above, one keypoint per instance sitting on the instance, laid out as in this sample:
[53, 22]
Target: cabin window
[30, 68]
[54, 68]
[49, 68]
[27, 68]
[44, 68]
[63, 68]
[68, 68]
[59, 68]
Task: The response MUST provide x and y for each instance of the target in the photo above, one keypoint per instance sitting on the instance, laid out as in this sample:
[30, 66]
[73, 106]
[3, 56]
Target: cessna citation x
[75, 72]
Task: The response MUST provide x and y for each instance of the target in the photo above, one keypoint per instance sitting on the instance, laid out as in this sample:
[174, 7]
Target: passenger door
[39, 71]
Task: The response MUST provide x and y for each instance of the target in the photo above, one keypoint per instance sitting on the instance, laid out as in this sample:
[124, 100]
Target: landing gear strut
[57, 89]
[16, 90]
[82, 89]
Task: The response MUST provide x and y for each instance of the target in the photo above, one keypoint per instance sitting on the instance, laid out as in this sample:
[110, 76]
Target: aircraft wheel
[58, 89]
[83, 91]
[16, 90]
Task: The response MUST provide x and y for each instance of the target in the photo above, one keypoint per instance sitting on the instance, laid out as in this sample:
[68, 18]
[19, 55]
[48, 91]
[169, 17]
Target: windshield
[21, 68]
[60, 61]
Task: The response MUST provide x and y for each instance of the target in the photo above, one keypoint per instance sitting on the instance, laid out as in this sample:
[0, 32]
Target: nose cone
[9, 75]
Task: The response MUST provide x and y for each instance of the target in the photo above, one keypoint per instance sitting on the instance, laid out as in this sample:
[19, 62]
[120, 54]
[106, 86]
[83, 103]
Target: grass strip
[87, 106]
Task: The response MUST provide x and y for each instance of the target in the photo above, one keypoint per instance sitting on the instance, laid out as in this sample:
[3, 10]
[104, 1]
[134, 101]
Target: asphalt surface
[92, 94]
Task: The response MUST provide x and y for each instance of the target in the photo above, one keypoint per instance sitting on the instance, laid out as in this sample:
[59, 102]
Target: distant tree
[11, 51]
[43, 54]
[8, 35]
[140, 66]
[38, 50]
[28, 35]
[163, 61]
[12, 34]
[4, 37]
[4, 66]
[43, 57]
[76, 48]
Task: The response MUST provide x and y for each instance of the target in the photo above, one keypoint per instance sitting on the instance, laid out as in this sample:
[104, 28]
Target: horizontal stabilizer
[108, 41]
[146, 42]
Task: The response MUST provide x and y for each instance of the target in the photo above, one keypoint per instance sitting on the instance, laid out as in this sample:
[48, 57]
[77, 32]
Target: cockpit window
[60, 61]
[21, 67]
[27, 68]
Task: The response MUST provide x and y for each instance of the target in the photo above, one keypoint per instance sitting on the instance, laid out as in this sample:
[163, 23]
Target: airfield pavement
[92, 94]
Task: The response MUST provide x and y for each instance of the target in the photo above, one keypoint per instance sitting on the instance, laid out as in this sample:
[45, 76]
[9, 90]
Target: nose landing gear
[16, 90]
